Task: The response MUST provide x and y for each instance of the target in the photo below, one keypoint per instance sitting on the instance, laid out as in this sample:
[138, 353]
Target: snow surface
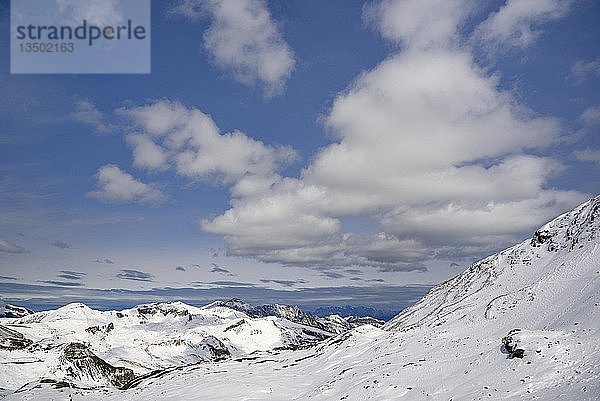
[144, 338]
[458, 343]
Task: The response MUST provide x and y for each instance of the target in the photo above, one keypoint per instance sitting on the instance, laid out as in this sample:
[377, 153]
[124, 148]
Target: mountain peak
[515, 278]
[13, 311]
[570, 229]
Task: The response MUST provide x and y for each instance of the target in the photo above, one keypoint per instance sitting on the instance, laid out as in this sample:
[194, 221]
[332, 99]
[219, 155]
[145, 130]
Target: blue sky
[373, 145]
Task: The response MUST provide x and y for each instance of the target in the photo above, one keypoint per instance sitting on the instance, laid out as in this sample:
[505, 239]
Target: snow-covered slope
[521, 324]
[79, 345]
[531, 276]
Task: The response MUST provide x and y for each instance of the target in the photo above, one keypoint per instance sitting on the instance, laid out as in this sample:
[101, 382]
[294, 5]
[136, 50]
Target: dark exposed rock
[541, 237]
[81, 363]
[164, 309]
[101, 329]
[237, 325]
[570, 229]
[11, 339]
[356, 321]
[509, 344]
[360, 310]
[291, 313]
[13, 311]
[215, 347]
[518, 353]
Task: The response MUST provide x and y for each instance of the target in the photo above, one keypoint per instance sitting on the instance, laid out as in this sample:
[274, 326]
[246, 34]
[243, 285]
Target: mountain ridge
[78, 346]
[562, 233]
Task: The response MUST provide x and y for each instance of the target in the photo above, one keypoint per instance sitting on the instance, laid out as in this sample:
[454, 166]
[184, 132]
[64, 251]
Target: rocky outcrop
[107, 328]
[11, 339]
[356, 321]
[571, 229]
[461, 295]
[165, 309]
[13, 312]
[510, 345]
[215, 348]
[291, 313]
[82, 365]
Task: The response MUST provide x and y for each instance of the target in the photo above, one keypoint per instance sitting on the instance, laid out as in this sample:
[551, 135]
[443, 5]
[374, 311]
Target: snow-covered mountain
[76, 345]
[356, 310]
[521, 324]
[332, 323]
[13, 311]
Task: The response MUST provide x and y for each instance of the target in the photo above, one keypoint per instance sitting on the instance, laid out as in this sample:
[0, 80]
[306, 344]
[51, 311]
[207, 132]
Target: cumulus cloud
[582, 70]
[517, 23]
[146, 153]
[472, 228]
[115, 185]
[9, 247]
[244, 40]
[427, 146]
[188, 141]
[424, 23]
[87, 113]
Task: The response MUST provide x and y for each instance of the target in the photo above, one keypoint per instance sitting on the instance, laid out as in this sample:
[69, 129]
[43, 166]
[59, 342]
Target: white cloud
[517, 22]
[387, 252]
[9, 247]
[87, 113]
[147, 154]
[588, 155]
[115, 185]
[187, 140]
[244, 40]
[477, 224]
[581, 70]
[428, 148]
[591, 116]
[418, 23]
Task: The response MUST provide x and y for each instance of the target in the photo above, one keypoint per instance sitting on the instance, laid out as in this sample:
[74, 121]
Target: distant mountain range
[78, 346]
[356, 310]
[521, 324]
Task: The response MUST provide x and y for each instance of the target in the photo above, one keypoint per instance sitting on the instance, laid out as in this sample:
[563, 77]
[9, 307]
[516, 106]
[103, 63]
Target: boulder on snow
[509, 345]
